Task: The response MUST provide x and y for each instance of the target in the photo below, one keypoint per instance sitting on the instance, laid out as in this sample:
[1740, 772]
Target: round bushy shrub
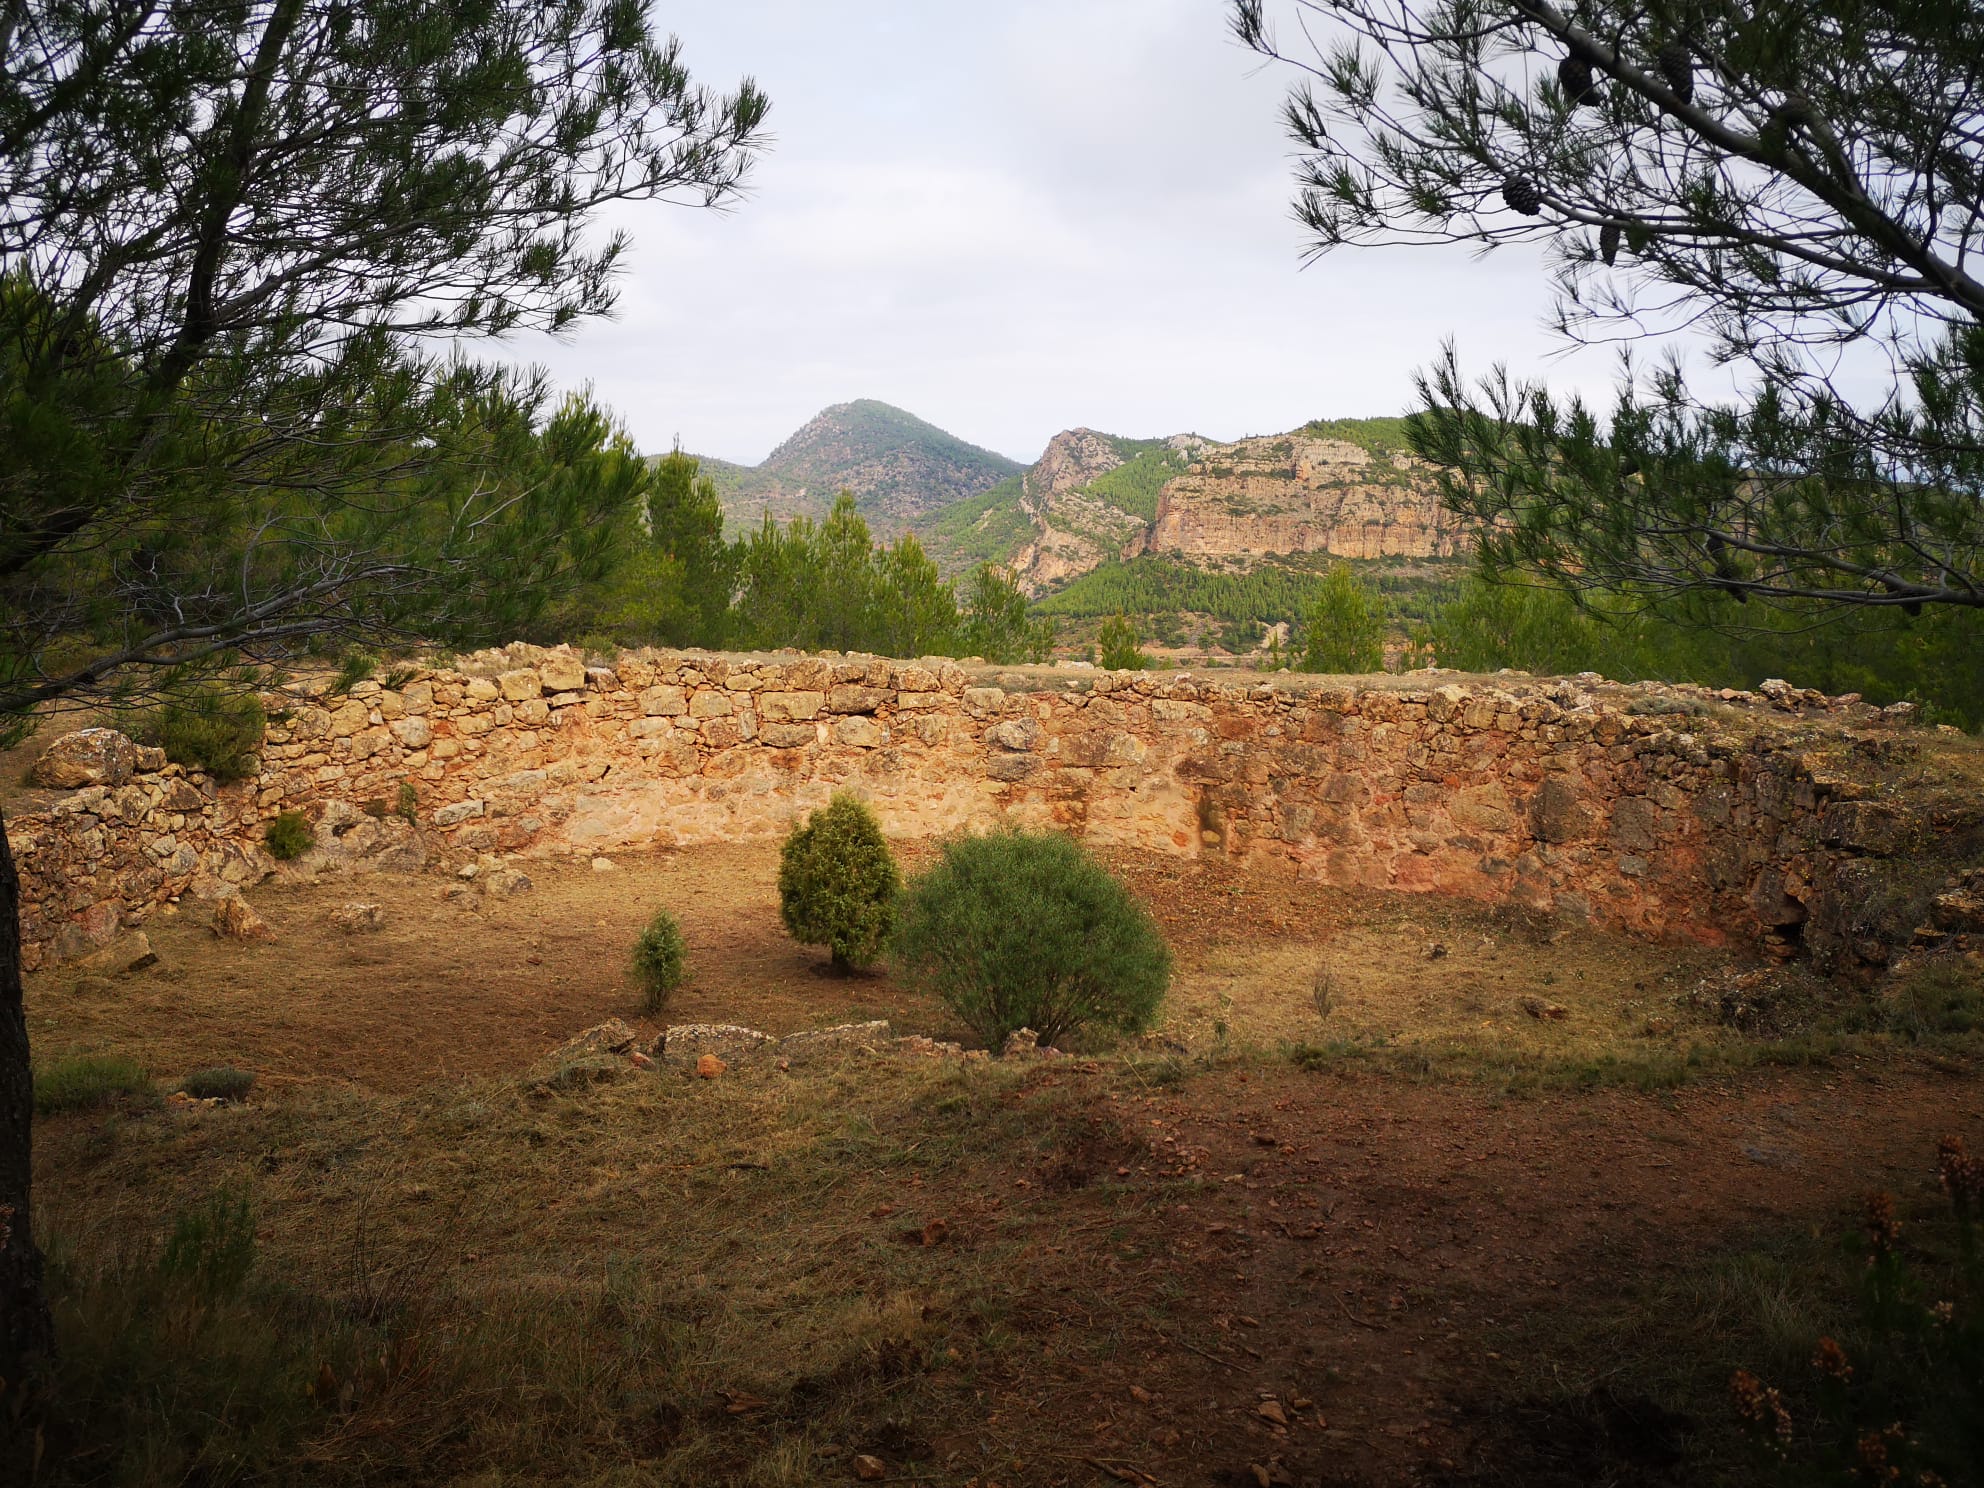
[837, 882]
[1026, 930]
[660, 959]
[290, 835]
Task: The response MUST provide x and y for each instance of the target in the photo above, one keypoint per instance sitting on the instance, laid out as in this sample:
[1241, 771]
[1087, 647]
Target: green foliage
[1116, 646]
[1134, 485]
[837, 882]
[1344, 629]
[289, 836]
[1484, 625]
[354, 667]
[211, 1249]
[406, 808]
[1026, 930]
[660, 960]
[220, 1082]
[87, 1080]
[1379, 436]
[994, 623]
[987, 528]
[217, 728]
[1268, 594]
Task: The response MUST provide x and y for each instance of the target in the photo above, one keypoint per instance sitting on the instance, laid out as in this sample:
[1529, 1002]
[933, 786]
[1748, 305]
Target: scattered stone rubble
[1681, 812]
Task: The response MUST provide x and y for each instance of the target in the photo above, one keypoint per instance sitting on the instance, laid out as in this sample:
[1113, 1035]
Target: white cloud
[1012, 219]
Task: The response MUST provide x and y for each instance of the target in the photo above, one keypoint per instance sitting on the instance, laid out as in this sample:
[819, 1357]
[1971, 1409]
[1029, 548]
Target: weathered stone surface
[790, 707]
[853, 697]
[611, 1037]
[860, 733]
[506, 883]
[788, 735]
[461, 811]
[836, 1042]
[359, 919]
[91, 756]
[235, 919]
[131, 951]
[414, 732]
[521, 684]
[557, 673]
[685, 1043]
[665, 702]
[1557, 814]
[1014, 733]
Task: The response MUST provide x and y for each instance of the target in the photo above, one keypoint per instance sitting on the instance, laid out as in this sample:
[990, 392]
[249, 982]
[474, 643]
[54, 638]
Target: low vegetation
[217, 729]
[88, 1080]
[661, 959]
[838, 882]
[219, 1082]
[1026, 930]
[1117, 648]
[289, 836]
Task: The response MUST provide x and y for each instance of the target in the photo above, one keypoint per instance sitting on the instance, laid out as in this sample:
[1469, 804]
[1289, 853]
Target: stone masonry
[1668, 812]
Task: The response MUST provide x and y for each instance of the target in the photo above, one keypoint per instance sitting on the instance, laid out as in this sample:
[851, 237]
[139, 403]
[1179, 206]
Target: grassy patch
[747, 1280]
[86, 1081]
[219, 1083]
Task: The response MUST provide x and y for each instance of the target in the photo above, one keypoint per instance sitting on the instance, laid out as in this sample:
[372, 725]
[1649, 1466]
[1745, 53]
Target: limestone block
[1011, 767]
[1635, 824]
[788, 735]
[368, 742]
[860, 732]
[1482, 808]
[520, 684]
[983, 702]
[91, 756]
[790, 707]
[481, 690]
[235, 919]
[131, 951]
[686, 1043]
[417, 697]
[650, 728]
[413, 731]
[470, 725]
[916, 679]
[1557, 814]
[666, 701]
[854, 697]
[1019, 734]
[533, 712]
[562, 673]
[722, 733]
[352, 717]
[709, 703]
[461, 811]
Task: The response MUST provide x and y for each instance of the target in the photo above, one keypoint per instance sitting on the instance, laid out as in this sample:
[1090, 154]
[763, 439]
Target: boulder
[235, 919]
[562, 673]
[359, 919]
[91, 756]
[131, 951]
[506, 883]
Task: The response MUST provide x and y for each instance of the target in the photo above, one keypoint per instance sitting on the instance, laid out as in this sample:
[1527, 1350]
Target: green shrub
[217, 729]
[1344, 628]
[355, 668]
[211, 1249]
[290, 836]
[1026, 930]
[409, 802]
[1116, 646]
[660, 959]
[837, 882]
[221, 1082]
[87, 1080]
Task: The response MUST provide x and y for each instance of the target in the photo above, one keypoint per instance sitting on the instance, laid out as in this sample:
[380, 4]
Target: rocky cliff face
[1077, 527]
[1294, 494]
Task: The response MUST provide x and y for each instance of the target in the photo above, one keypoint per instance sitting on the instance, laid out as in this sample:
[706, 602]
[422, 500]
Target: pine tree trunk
[27, 1334]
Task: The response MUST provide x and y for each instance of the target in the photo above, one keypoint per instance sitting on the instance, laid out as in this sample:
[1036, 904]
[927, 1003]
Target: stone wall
[1668, 813]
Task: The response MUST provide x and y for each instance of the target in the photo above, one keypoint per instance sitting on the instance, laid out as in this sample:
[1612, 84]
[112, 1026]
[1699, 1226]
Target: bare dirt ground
[1204, 1263]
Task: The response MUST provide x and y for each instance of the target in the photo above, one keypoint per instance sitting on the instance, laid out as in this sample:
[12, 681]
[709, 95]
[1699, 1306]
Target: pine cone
[1608, 243]
[1679, 70]
[1522, 196]
[1574, 77]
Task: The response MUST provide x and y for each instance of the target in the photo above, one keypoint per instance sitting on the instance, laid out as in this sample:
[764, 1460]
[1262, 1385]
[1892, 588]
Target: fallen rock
[844, 1038]
[235, 919]
[603, 865]
[458, 894]
[708, 1067]
[129, 952]
[506, 883]
[359, 919]
[1020, 1043]
[1538, 1007]
[91, 756]
[870, 1469]
[685, 1044]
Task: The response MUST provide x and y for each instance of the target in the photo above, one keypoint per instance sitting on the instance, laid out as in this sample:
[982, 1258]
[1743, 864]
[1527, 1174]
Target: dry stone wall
[1666, 814]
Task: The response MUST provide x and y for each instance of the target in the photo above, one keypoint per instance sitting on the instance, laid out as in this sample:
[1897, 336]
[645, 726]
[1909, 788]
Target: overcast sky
[1013, 218]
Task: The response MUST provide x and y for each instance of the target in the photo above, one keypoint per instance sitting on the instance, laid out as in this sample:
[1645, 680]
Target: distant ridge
[900, 469]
